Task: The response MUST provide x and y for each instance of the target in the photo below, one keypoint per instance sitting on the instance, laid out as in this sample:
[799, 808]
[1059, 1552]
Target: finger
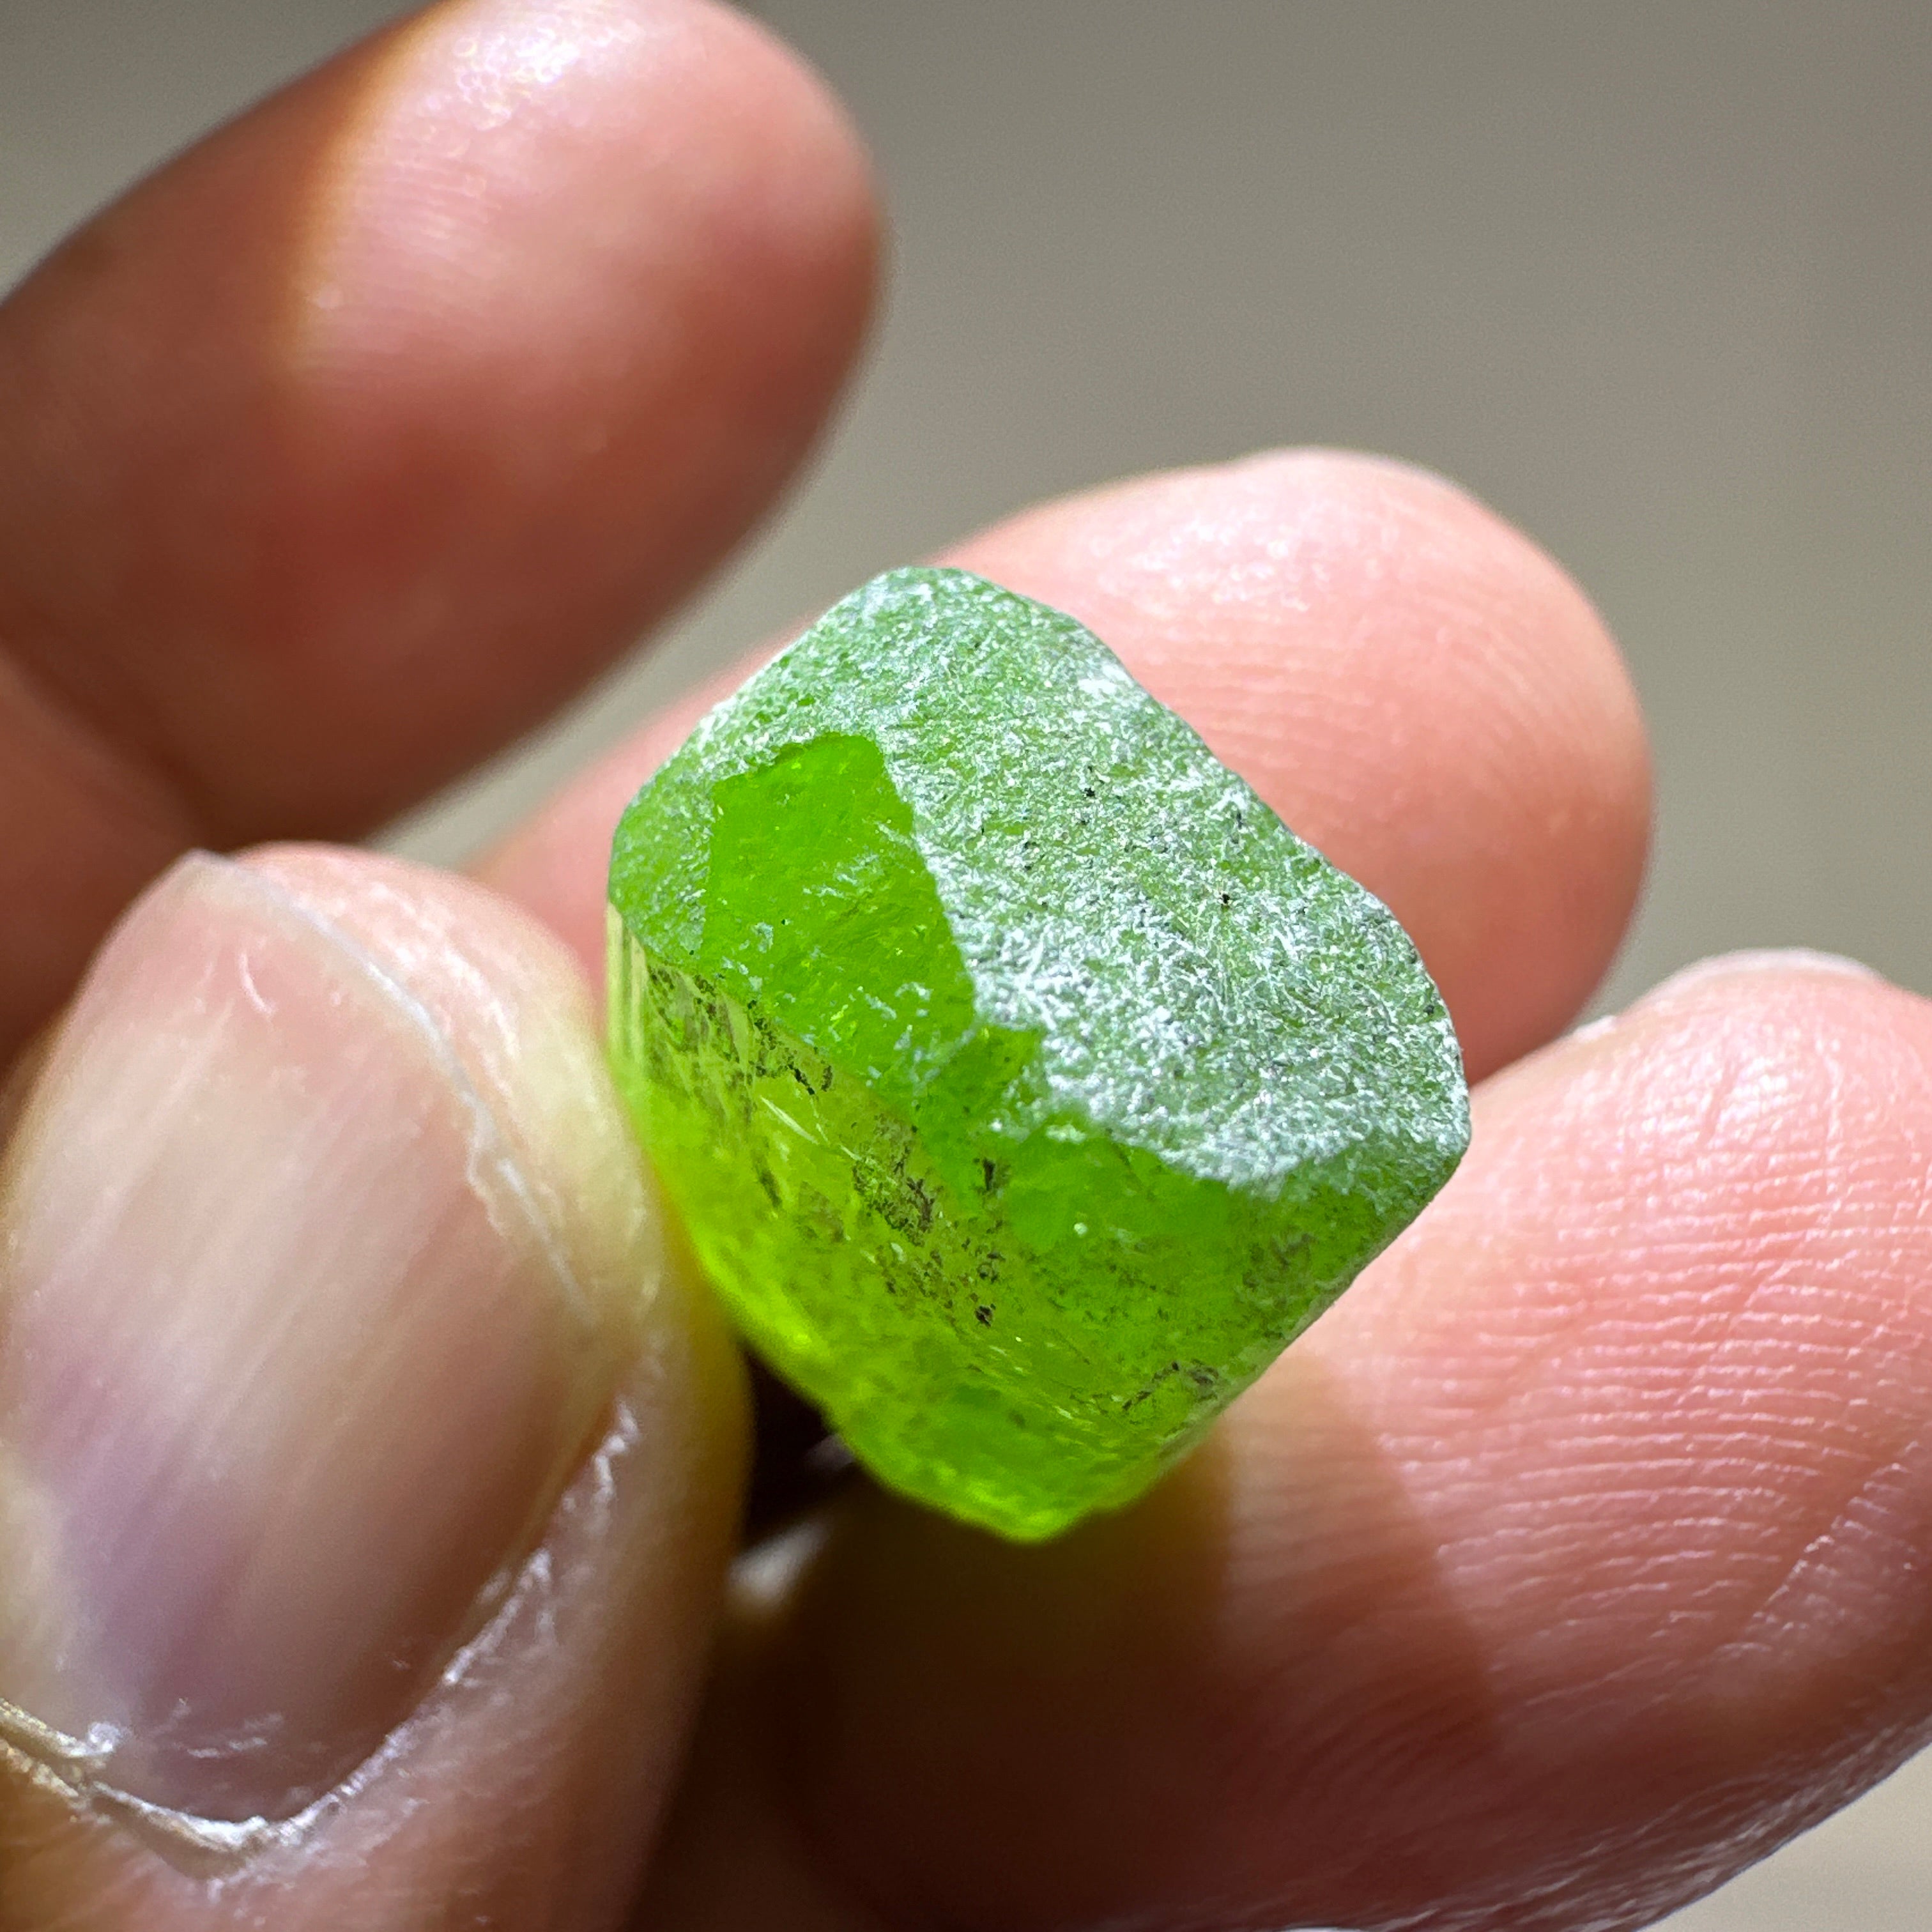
[361, 436]
[1415, 687]
[1574, 1560]
[367, 1466]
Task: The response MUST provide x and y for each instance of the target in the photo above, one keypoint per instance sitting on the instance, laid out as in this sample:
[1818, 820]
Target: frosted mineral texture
[1024, 1083]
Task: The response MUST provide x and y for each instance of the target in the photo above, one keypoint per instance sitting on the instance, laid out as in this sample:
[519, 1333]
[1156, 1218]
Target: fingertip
[1767, 1014]
[406, 1441]
[1764, 966]
[497, 186]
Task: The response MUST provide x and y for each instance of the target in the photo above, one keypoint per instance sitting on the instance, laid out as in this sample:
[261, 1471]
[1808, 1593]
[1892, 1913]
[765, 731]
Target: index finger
[357, 438]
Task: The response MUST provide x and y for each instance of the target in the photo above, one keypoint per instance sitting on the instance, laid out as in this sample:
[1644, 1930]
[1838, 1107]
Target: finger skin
[522, 1790]
[357, 438]
[1573, 1560]
[1415, 688]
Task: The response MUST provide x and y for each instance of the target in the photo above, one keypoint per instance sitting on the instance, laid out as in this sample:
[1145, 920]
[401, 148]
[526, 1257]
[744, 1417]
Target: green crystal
[1025, 1084]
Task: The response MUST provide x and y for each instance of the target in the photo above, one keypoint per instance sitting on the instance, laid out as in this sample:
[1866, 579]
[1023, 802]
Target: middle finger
[1418, 691]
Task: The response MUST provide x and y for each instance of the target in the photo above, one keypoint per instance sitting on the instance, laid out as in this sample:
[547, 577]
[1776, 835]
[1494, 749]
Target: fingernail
[321, 1250]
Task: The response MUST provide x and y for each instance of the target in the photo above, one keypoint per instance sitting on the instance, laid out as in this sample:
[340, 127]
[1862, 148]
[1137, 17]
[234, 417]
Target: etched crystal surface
[1025, 1084]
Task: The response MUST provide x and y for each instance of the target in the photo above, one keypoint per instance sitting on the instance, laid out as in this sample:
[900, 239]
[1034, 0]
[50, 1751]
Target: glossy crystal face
[1024, 1083]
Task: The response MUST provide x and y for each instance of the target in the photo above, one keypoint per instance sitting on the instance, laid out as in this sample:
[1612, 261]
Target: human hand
[1571, 1560]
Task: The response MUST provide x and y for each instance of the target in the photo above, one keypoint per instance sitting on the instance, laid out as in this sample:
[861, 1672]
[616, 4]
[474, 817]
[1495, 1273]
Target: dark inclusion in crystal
[1024, 1083]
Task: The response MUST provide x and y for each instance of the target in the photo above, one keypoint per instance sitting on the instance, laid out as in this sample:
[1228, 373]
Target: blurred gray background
[1654, 279]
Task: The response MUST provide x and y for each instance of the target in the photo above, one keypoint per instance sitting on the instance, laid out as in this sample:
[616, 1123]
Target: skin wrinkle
[1867, 1513]
[1772, 1467]
[1696, 1842]
[1359, 1725]
[457, 1838]
[119, 778]
[93, 822]
[1622, 1480]
[1706, 1137]
[1798, 1601]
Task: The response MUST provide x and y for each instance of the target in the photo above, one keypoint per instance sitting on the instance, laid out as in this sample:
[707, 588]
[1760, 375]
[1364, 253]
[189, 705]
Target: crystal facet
[1025, 1084]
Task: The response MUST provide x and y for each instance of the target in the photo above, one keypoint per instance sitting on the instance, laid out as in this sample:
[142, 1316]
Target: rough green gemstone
[1024, 1083]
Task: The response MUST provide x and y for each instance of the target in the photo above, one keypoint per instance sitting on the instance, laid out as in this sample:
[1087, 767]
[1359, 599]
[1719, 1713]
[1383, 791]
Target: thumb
[367, 1468]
